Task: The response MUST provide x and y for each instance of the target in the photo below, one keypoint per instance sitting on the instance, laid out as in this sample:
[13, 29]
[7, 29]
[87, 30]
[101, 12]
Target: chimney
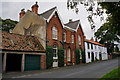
[22, 13]
[35, 8]
[92, 39]
[84, 37]
[70, 20]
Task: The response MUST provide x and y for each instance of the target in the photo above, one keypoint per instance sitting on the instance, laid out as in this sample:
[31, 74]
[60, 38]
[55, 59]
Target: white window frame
[55, 48]
[69, 55]
[54, 33]
[72, 38]
[80, 54]
[64, 36]
[79, 40]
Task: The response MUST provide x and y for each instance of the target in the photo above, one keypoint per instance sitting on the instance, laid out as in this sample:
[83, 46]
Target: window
[54, 33]
[91, 46]
[72, 38]
[79, 40]
[88, 46]
[65, 53]
[64, 36]
[88, 54]
[80, 54]
[68, 56]
[73, 56]
[95, 46]
[96, 54]
[54, 51]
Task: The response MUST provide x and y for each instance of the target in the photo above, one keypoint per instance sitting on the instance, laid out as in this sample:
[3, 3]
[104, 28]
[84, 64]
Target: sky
[10, 10]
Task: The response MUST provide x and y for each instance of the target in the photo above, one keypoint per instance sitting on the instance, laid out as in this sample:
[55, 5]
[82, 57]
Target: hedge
[77, 56]
[49, 57]
[60, 57]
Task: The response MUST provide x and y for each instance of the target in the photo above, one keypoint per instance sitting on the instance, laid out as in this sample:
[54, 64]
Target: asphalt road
[91, 70]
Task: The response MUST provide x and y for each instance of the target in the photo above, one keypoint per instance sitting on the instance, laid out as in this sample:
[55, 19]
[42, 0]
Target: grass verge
[112, 75]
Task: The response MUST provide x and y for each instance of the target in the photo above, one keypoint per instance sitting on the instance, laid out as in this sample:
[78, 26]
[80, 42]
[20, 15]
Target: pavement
[91, 70]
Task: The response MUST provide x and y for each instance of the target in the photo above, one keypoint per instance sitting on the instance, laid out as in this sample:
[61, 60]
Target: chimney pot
[22, 13]
[35, 8]
[70, 20]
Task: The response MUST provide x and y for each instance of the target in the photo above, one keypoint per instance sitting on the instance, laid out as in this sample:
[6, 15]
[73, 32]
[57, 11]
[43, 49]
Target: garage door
[32, 62]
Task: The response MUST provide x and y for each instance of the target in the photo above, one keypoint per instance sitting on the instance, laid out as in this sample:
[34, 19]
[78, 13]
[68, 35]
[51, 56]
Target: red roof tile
[97, 43]
[20, 42]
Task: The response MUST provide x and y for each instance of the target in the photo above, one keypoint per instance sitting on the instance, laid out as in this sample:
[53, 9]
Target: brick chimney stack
[22, 13]
[35, 8]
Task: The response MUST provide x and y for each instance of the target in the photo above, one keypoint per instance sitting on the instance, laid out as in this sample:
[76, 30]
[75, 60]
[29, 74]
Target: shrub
[77, 56]
[49, 57]
[60, 57]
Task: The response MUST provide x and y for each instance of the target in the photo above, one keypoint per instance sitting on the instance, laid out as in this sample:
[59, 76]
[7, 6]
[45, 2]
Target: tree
[7, 24]
[110, 31]
[94, 9]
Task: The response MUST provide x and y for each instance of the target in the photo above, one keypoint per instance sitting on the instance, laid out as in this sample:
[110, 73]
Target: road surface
[91, 70]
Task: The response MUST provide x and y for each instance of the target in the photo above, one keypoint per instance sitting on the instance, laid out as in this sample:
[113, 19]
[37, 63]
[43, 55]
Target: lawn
[113, 75]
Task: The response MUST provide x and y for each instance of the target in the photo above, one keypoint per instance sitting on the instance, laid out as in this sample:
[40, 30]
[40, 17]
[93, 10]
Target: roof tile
[20, 42]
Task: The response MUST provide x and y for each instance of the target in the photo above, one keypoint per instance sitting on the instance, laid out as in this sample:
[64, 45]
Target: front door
[55, 56]
[68, 55]
[92, 56]
[100, 56]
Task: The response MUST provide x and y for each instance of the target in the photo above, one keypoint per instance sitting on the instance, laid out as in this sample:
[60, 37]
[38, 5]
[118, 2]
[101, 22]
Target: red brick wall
[68, 44]
[54, 21]
[79, 32]
[43, 61]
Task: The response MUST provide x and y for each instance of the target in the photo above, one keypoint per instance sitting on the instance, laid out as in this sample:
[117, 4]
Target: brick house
[22, 53]
[54, 30]
[50, 30]
[74, 39]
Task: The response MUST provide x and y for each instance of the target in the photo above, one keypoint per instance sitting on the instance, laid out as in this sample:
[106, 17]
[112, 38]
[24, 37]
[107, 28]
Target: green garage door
[32, 62]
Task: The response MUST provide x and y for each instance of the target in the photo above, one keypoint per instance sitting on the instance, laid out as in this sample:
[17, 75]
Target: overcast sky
[11, 8]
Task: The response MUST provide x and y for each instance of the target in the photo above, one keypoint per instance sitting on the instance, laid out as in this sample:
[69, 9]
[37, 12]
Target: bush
[77, 56]
[60, 57]
[49, 57]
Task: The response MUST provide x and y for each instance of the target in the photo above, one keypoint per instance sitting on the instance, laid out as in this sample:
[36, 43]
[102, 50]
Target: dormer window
[54, 33]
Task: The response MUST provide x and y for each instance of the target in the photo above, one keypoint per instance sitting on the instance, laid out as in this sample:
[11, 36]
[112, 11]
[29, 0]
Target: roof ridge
[72, 21]
[48, 10]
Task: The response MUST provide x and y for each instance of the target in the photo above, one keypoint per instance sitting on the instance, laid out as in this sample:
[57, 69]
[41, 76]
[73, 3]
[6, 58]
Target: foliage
[60, 57]
[116, 49]
[7, 24]
[110, 31]
[49, 57]
[93, 9]
[77, 51]
[113, 75]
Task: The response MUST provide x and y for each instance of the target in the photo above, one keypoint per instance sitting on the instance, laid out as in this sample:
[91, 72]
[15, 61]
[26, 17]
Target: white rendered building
[95, 51]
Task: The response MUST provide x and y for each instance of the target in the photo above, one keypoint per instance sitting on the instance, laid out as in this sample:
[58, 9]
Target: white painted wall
[96, 50]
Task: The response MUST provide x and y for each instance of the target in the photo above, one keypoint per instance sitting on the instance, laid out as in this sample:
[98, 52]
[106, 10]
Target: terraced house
[73, 39]
[34, 32]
